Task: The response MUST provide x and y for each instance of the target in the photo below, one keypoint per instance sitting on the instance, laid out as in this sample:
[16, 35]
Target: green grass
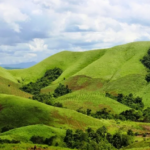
[92, 100]
[69, 62]
[28, 146]
[89, 74]
[17, 112]
[11, 88]
[128, 84]
[5, 74]
[109, 64]
[24, 134]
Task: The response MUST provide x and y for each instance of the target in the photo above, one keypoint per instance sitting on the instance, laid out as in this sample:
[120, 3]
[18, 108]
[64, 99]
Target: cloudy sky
[31, 30]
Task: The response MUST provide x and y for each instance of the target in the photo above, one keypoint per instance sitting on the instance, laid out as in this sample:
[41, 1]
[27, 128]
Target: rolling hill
[89, 75]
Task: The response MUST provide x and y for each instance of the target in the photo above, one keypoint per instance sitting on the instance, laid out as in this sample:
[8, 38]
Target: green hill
[120, 61]
[89, 75]
[5, 74]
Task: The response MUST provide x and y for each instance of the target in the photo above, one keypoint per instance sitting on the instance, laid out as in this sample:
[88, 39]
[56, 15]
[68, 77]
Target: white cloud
[12, 16]
[37, 45]
[71, 25]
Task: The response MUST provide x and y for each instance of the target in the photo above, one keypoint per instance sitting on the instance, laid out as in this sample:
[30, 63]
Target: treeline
[88, 139]
[96, 140]
[146, 62]
[132, 114]
[129, 100]
[49, 76]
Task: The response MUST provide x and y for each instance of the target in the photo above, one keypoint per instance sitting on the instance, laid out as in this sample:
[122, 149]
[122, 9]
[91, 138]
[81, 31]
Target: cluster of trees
[103, 113]
[129, 100]
[61, 90]
[132, 114]
[41, 140]
[49, 76]
[146, 62]
[44, 98]
[142, 116]
[96, 140]
[2, 141]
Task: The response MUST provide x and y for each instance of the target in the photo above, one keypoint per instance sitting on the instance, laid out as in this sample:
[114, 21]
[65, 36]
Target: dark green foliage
[2, 141]
[49, 141]
[37, 139]
[88, 112]
[130, 132]
[120, 140]
[136, 115]
[6, 128]
[131, 115]
[91, 140]
[129, 100]
[147, 78]
[146, 115]
[44, 98]
[35, 88]
[146, 62]
[61, 90]
[58, 104]
[104, 113]
[50, 75]
[41, 140]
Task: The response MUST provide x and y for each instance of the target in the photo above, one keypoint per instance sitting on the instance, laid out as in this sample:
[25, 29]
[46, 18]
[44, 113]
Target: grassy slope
[18, 112]
[69, 62]
[12, 88]
[24, 134]
[120, 61]
[92, 100]
[5, 74]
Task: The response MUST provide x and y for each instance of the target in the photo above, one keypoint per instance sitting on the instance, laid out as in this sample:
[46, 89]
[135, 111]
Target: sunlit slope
[118, 61]
[18, 112]
[5, 74]
[11, 88]
[69, 62]
[24, 134]
[109, 64]
[95, 101]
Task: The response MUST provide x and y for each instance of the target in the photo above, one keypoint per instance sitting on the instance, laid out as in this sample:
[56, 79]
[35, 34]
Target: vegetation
[49, 76]
[98, 140]
[146, 62]
[104, 124]
[35, 88]
[128, 100]
[61, 90]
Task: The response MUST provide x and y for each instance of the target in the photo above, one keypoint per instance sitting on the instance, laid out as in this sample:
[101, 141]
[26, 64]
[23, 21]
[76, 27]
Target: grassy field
[92, 100]
[24, 134]
[11, 88]
[5, 74]
[89, 74]
[28, 146]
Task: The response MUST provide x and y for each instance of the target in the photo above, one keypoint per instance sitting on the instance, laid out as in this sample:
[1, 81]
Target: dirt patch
[101, 106]
[146, 127]
[37, 148]
[1, 107]
[68, 120]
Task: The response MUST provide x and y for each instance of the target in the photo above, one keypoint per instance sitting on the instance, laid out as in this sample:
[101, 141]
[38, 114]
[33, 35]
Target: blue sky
[31, 30]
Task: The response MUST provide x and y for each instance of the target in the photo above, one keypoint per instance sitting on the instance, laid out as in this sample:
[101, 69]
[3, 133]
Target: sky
[32, 30]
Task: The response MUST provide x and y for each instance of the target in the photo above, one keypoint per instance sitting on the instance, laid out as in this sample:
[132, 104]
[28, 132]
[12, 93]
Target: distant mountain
[18, 66]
